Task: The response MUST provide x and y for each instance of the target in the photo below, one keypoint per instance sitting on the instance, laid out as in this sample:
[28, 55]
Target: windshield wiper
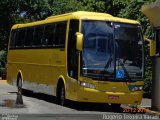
[109, 74]
[108, 63]
[124, 68]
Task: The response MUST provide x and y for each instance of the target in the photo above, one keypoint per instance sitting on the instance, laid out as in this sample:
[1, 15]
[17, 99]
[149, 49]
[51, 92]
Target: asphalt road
[44, 107]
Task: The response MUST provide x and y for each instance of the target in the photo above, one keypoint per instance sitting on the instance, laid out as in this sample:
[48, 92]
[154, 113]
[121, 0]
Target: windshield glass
[129, 45]
[109, 47]
[98, 48]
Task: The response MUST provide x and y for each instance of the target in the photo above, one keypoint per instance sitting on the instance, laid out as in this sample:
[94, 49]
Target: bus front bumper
[96, 96]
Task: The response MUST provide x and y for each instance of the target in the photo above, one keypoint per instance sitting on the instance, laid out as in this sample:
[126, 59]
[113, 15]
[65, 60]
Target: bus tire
[19, 84]
[61, 94]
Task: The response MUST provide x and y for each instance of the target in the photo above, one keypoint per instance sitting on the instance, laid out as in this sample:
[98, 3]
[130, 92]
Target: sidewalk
[146, 105]
[3, 81]
[152, 112]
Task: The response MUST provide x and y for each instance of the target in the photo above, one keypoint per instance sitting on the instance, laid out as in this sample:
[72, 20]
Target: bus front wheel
[61, 95]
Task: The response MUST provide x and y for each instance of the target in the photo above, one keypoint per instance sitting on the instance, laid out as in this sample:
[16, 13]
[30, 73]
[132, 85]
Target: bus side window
[20, 38]
[48, 35]
[60, 33]
[38, 36]
[13, 39]
[29, 37]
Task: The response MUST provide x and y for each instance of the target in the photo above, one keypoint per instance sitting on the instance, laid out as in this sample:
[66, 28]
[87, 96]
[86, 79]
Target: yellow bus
[80, 56]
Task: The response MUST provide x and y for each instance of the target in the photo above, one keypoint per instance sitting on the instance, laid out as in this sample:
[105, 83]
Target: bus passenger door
[72, 58]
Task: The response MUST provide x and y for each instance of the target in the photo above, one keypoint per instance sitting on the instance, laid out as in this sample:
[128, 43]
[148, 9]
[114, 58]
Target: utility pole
[152, 12]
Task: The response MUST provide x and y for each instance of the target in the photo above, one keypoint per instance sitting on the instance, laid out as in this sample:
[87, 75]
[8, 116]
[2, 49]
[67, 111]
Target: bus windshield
[109, 47]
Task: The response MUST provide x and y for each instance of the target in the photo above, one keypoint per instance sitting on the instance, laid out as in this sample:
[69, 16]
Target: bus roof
[77, 15]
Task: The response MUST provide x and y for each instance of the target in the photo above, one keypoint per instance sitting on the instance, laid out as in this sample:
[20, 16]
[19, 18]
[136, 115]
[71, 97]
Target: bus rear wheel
[61, 95]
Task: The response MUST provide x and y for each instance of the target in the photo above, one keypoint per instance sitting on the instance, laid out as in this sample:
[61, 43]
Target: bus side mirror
[79, 43]
[152, 46]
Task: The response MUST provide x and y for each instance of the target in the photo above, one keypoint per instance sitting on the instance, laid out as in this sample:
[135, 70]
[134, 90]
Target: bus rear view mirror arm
[79, 43]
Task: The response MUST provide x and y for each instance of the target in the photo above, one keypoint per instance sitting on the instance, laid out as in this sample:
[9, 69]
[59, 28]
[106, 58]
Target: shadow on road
[74, 105]
[93, 107]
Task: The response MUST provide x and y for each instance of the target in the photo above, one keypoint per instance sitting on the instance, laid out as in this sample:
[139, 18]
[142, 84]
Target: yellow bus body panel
[42, 68]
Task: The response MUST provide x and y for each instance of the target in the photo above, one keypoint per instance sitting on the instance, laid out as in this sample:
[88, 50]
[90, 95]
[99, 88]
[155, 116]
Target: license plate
[113, 97]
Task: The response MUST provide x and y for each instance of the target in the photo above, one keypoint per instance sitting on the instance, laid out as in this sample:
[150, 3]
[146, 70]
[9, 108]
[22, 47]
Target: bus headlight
[141, 88]
[137, 88]
[88, 85]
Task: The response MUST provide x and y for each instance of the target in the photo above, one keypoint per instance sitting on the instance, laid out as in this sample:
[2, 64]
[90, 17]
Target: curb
[151, 112]
[3, 82]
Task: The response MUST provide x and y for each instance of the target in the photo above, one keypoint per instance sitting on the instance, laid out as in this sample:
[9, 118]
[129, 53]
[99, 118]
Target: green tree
[7, 11]
[94, 5]
[65, 6]
[33, 10]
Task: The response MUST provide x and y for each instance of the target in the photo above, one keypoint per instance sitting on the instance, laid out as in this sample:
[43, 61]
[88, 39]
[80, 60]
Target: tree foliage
[64, 6]
[20, 11]
[94, 5]
[7, 12]
[34, 9]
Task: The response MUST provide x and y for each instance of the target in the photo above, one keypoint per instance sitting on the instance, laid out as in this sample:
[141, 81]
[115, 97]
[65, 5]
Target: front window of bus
[98, 52]
[129, 50]
[109, 47]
